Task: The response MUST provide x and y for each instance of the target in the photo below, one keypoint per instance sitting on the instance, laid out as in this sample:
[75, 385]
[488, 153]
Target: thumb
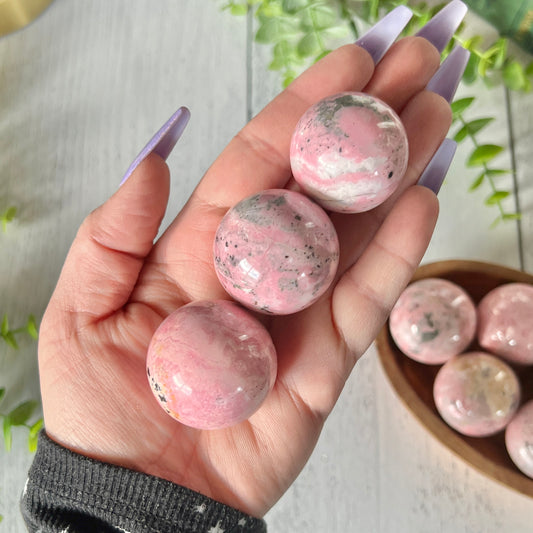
[108, 252]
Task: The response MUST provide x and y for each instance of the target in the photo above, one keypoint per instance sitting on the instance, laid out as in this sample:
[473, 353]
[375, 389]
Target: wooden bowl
[413, 381]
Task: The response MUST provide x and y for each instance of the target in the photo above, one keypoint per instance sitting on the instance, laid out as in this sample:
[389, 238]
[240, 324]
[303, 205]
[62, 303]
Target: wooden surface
[81, 91]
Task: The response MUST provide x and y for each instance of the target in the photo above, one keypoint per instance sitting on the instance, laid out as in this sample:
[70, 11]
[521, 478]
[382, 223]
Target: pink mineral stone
[433, 320]
[349, 152]
[519, 439]
[276, 252]
[505, 318]
[211, 364]
[476, 393]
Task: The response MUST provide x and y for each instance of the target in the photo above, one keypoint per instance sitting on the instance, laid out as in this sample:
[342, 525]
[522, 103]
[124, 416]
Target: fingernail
[437, 168]
[163, 142]
[446, 80]
[440, 29]
[378, 39]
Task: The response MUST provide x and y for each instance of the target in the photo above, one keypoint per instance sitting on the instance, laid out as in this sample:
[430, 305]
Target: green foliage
[17, 417]
[9, 335]
[482, 156]
[303, 31]
[21, 413]
[7, 216]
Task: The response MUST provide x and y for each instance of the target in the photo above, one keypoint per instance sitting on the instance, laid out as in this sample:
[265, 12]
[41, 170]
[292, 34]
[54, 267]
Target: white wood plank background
[81, 91]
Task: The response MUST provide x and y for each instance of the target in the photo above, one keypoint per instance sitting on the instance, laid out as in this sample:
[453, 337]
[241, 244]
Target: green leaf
[495, 172]
[514, 76]
[33, 436]
[2, 393]
[322, 54]
[501, 53]
[512, 216]
[8, 437]
[461, 105]
[471, 128]
[20, 415]
[473, 42]
[7, 216]
[239, 9]
[483, 65]
[529, 69]
[288, 79]
[337, 32]
[318, 18]
[272, 30]
[483, 154]
[10, 213]
[471, 71]
[495, 222]
[496, 197]
[477, 182]
[267, 32]
[309, 45]
[9, 337]
[292, 6]
[4, 329]
[31, 327]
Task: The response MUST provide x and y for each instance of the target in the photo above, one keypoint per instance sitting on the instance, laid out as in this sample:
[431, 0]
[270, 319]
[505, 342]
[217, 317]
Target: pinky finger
[367, 291]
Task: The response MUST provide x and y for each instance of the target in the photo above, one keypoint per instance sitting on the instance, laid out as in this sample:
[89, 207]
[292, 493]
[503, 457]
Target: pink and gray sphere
[506, 322]
[211, 364]
[476, 393]
[519, 439]
[349, 152]
[433, 320]
[276, 252]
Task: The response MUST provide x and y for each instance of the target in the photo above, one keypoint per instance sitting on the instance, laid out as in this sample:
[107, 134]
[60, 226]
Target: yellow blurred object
[15, 14]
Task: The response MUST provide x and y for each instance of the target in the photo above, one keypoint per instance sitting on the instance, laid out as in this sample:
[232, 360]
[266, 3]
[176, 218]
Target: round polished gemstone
[505, 317]
[211, 364]
[349, 152]
[519, 439]
[433, 320]
[476, 393]
[276, 252]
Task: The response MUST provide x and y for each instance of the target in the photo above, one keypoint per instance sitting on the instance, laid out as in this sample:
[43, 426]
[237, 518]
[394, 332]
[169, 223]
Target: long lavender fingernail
[378, 39]
[163, 142]
[436, 170]
[446, 80]
[440, 29]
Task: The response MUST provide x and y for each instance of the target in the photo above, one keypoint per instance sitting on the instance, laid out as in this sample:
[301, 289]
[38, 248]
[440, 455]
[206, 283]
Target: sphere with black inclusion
[349, 152]
[211, 364]
[276, 252]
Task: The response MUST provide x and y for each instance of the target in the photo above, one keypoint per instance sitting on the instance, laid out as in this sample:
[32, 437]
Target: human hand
[116, 287]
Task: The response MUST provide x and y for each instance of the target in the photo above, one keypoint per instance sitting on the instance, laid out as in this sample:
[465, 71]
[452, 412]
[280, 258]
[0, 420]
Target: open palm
[117, 286]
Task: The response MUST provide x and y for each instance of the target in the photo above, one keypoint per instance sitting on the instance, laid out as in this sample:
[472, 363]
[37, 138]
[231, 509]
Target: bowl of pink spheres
[212, 364]
[458, 350]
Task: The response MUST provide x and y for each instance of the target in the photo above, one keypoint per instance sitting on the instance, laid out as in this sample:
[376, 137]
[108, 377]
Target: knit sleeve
[66, 491]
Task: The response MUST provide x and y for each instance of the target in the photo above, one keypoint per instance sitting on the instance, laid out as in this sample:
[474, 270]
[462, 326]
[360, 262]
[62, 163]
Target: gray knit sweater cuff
[67, 491]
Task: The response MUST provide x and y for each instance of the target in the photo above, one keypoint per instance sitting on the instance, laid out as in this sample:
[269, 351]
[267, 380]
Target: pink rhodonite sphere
[211, 364]
[476, 393]
[505, 327]
[433, 320]
[276, 252]
[349, 152]
[519, 439]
